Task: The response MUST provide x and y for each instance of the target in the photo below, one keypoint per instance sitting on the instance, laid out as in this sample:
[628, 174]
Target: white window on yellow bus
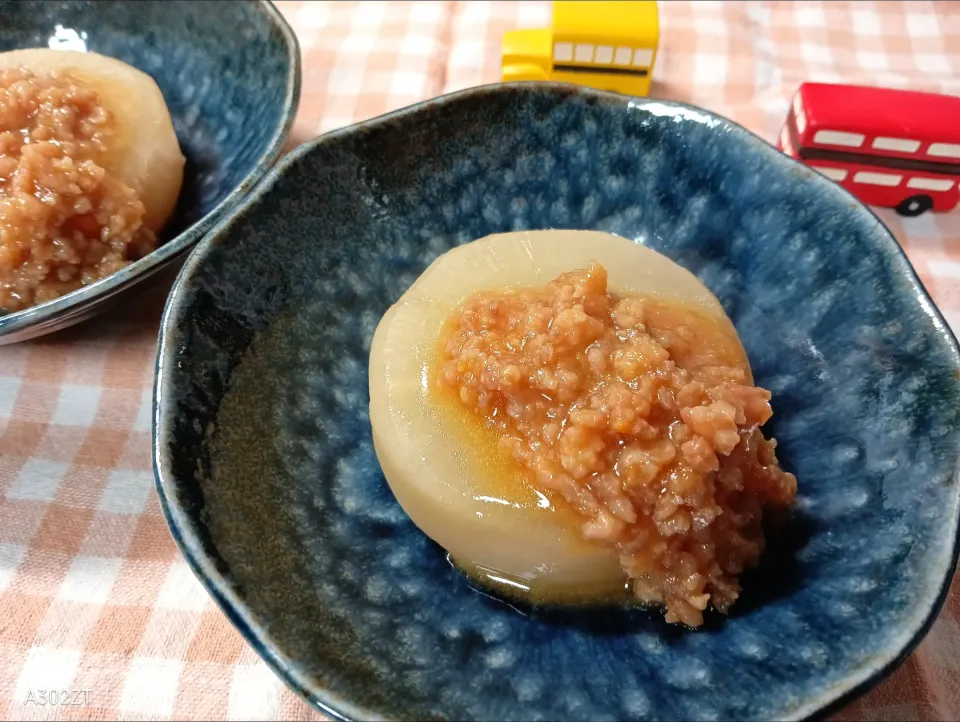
[598, 57]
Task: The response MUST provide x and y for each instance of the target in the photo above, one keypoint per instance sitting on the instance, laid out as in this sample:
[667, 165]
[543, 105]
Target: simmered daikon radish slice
[445, 471]
[534, 258]
[452, 483]
[143, 151]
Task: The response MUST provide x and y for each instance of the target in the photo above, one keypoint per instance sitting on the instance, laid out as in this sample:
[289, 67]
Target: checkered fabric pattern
[94, 597]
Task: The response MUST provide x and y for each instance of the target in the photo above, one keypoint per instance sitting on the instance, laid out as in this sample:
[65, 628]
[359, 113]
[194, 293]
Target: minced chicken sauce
[641, 415]
[65, 221]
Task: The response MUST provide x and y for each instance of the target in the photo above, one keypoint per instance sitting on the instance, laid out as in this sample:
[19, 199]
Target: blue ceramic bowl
[230, 74]
[271, 487]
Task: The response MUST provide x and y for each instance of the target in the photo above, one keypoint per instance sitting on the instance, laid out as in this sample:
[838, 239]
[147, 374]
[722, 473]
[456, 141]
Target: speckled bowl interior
[230, 75]
[267, 472]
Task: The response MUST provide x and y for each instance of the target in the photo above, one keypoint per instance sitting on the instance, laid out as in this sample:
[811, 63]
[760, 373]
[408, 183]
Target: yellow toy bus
[603, 45]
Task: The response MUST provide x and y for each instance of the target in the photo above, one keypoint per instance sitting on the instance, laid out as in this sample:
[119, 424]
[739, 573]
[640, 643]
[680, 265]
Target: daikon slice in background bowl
[229, 74]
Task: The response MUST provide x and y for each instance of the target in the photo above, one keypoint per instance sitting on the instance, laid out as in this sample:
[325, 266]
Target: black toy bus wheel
[915, 205]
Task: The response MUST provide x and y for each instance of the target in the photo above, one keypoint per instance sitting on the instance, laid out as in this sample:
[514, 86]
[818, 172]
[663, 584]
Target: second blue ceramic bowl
[230, 75]
[267, 473]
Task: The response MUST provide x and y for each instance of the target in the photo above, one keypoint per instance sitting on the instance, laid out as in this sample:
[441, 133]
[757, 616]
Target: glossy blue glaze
[271, 487]
[230, 75]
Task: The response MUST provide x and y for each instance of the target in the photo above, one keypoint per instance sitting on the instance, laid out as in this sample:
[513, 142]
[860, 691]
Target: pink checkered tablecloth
[94, 596]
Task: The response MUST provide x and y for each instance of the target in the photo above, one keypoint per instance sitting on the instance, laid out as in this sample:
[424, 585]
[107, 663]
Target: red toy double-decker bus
[893, 148]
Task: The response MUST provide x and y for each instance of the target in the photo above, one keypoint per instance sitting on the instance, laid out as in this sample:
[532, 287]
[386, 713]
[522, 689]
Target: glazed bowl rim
[18, 321]
[854, 683]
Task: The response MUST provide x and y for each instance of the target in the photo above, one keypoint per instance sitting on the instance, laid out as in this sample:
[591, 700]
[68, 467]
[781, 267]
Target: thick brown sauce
[693, 337]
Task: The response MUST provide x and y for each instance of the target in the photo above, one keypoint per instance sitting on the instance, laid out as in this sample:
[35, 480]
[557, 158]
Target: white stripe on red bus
[785, 143]
[944, 150]
[877, 179]
[901, 144]
[798, 113]
[836, 137]
[930, 184]
[837, 174]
